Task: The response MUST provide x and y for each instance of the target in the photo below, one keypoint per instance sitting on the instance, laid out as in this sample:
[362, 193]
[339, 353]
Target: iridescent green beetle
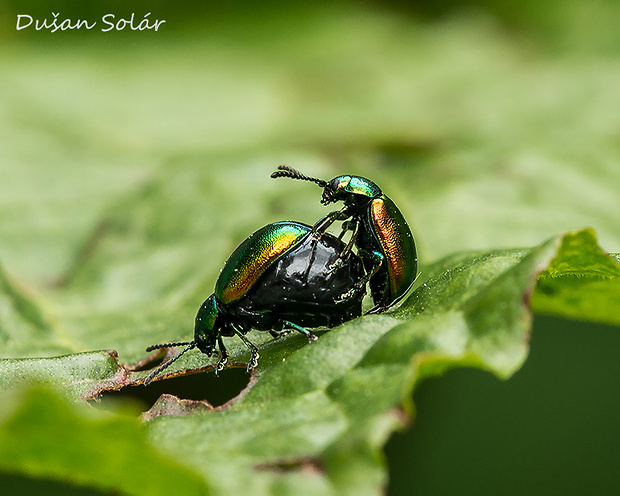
[380, 233]
[280, 278]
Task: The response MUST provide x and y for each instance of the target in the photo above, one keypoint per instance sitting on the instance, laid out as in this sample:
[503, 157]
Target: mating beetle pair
[289, 275]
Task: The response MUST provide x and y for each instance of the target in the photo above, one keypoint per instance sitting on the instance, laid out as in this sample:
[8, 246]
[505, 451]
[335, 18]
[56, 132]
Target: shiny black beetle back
[304, 286]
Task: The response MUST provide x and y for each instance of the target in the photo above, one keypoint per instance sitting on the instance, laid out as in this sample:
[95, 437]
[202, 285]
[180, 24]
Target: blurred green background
[490, 123]
[549, 429]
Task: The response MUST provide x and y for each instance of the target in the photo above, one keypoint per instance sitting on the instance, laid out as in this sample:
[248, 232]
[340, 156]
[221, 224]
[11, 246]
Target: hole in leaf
[197, 387]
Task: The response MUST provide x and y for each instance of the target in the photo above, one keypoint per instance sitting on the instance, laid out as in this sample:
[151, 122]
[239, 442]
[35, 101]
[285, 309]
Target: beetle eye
[330, 193]
[328, 196]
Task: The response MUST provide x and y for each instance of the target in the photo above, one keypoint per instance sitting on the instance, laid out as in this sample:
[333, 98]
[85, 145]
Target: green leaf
[581, 283]
[316, 417]
[43, 437]
[79, 376]
[332, 404]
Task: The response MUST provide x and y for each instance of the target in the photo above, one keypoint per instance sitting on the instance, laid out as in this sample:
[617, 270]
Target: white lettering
[105, 21]
[81, 24]
[144, 21]
[109, 23]
[19, 18]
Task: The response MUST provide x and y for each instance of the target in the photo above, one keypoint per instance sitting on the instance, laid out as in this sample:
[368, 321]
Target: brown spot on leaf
[307, 465]
[168, 404]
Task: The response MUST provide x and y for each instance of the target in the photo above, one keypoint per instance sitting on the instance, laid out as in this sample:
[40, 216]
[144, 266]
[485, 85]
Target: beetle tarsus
[223, 356]
[335, 266]
[221, 364]
[346, 296]
[253, 361]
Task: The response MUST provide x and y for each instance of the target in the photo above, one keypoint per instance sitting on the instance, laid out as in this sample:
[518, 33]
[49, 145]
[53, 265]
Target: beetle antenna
[167, 345]
[288, 171]
[166, 364]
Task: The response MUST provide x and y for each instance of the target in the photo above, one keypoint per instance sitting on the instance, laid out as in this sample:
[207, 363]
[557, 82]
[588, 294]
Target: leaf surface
[316, 416]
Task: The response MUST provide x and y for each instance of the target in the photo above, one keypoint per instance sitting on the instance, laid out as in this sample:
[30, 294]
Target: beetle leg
[359, 285]
[223, 356]
[253, 350]
[322, 225]
[311, 337]
[347, 249]
[346, 226]
[346, 252]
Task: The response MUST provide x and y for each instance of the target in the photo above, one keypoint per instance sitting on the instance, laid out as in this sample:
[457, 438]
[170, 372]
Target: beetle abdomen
[301, 287]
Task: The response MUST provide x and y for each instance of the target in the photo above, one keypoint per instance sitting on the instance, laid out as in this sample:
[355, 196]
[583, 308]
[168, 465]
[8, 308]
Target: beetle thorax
[350, 189]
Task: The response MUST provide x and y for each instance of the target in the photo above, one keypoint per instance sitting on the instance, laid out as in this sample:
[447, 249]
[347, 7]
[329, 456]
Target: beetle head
[207, 326]
[350, 189]
[336, 190]
[205, 336]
